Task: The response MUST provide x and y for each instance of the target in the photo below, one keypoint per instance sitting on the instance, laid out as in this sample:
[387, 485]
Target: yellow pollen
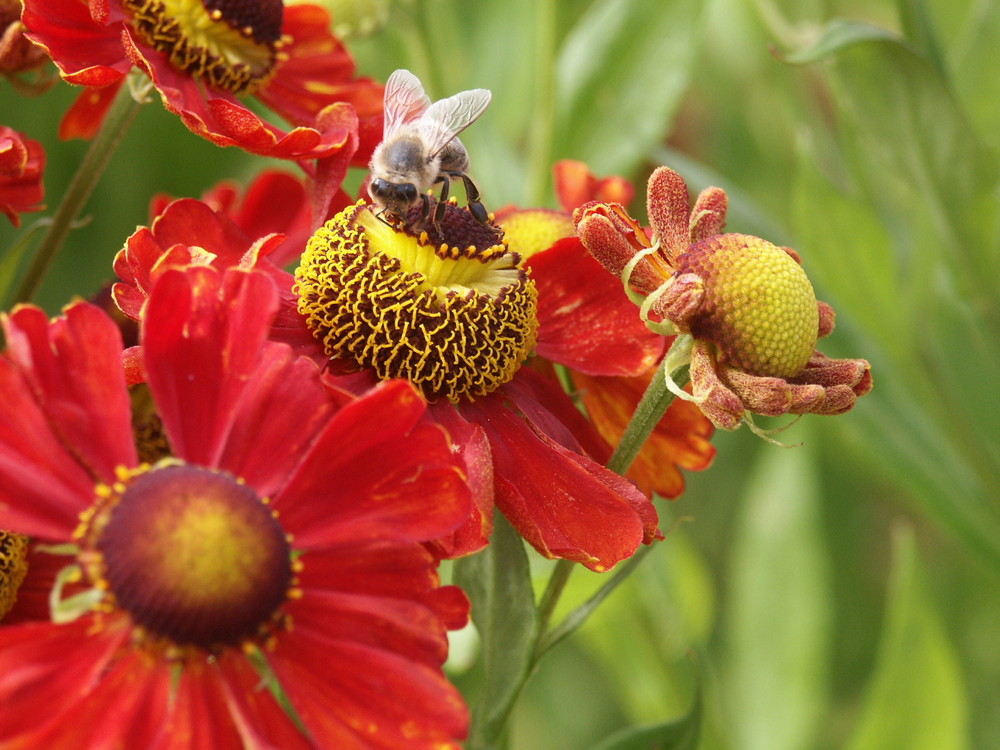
[530, 231]
[211, 40]
[455, 319]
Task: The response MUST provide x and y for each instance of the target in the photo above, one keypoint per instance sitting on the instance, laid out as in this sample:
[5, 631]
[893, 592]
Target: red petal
[198, 717]
[42, 488]
[88, 52]
[585, 319]
[474, 452]
[376, 472]
[74, 366]
[22, 164]
[202, 336]
[564, 504]
[354, 696]
[281, 411]
[259, 719]
[84, 117]
[401, 625]
[46, 670]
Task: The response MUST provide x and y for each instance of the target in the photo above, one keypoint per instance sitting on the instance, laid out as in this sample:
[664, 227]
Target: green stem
[650, 410]
[121, 114]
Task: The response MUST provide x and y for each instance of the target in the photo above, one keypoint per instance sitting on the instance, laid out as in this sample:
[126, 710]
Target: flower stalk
[121, 115]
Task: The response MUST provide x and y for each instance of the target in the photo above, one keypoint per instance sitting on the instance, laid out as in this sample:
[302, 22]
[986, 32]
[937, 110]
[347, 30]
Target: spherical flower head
[13, 568]
[747, 305]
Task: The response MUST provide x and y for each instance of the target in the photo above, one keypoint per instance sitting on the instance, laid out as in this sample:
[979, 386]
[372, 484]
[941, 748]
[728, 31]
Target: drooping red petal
[416, 493]
[202, 336]
[84, 117]
[680, 439]
[74, 367]
[318, 72]
[538, 395]
[351, 695]
[565, 504]
[585, 319]
[474, 451]
[88, 52]
[221, 118]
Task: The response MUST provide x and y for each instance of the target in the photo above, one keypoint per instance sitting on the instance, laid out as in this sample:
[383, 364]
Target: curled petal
[773, 396]
[681, 300]
[827, 318]
[669, 208]
[708, 217]
[717, 402]
[614, 238]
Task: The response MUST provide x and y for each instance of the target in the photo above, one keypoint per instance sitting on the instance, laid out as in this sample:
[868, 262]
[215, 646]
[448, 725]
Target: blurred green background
[841, 594]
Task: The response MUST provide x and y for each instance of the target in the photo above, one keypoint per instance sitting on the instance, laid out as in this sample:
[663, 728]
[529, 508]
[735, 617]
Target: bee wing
[405, 101]
[446, 118]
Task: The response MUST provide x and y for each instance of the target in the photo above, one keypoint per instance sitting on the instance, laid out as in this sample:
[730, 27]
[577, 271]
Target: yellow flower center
[193, 555]
[529, 231]
[13, 568]
[760, 309]
[229, 44]
[450, 309]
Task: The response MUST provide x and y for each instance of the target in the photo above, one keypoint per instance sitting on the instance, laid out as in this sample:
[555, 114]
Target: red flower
[261, 586]
[22, 161]
[547, 238]
[201, 58]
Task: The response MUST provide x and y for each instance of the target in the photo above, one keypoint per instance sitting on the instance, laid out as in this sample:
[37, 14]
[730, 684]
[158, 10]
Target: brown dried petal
[708, 217]
[827, 318]
[669, 208]
[717, 402]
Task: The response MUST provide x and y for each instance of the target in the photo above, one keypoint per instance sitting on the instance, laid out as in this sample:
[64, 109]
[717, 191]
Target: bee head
[393, 194]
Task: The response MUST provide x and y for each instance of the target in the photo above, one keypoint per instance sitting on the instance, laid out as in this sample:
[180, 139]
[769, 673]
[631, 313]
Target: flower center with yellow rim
[193, 555]
[448, 307]
[13, 568]
[760, 308]
[229, 44]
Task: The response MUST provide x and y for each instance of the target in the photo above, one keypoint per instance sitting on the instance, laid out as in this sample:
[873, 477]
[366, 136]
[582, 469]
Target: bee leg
[476, 208]
[445, 181]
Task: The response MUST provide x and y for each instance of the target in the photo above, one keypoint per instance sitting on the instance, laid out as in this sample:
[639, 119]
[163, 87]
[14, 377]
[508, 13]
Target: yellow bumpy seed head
[448, 307]
[759, 309]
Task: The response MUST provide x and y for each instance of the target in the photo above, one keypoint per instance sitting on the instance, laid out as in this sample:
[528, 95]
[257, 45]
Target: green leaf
[498, 583]
[838, 35]
[679, 734]
[905, 232]
[916, 700]
[620, 76]
[778, 631]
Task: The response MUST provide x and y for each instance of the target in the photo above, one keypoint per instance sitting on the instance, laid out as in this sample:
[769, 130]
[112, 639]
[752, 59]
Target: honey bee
[420, 148]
